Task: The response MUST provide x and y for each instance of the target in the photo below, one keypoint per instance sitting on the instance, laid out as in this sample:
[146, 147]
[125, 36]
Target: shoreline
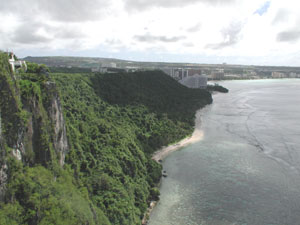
[197, 135]
[159, 155]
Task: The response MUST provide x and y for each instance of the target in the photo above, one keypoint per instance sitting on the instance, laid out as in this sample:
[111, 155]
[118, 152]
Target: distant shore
[196, 136]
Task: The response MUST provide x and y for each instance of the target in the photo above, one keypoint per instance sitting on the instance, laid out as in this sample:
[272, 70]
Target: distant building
[292, 75]
[232, 76]
[109, 65]
[176, 73]
[95, 69]
[192, 72]
[195, 81]
[252, 73]
[184, 73]
[108, 70]
[217, 74]
[168, 71]
[16, 64]
[278, 75]
[131, 69]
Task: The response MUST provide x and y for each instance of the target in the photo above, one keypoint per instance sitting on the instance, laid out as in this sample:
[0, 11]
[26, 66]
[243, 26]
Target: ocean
[246, 169]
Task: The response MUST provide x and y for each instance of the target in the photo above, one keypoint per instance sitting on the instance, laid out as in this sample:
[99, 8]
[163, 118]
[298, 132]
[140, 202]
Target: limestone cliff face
[55, 113]
[45, 137]
[32, 125]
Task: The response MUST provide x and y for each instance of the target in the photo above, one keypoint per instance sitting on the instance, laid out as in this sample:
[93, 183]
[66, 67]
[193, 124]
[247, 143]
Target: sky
[248, 32]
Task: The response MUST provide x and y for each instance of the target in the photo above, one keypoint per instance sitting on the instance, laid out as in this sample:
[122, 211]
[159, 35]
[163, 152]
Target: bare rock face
[44, 138]
[55, 112]
[32, 125]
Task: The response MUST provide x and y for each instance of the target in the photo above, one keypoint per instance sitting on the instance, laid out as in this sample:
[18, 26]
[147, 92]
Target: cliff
[33, 127]
[76, 148]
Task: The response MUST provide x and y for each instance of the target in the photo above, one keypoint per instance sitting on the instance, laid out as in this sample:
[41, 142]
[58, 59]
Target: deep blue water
[246, 170]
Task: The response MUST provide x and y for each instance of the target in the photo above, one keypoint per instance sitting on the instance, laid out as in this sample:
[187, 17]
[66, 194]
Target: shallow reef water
[246, 169]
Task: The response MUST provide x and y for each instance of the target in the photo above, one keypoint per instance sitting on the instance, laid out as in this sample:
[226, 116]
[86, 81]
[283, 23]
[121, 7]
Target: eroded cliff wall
[32, 126]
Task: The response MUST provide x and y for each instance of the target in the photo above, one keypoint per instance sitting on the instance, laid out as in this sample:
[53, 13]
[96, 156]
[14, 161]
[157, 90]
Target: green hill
[112, 123]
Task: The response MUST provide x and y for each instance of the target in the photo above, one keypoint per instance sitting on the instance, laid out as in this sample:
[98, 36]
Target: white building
[105, 67]
[130, 69]
[177, 73]
[15, 64]
[293, 75]
[217, 74]
[169, 71]
[109, 65]
[278, 75]
[195, 81]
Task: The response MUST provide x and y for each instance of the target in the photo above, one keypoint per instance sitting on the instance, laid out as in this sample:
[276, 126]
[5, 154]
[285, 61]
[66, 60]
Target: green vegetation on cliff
[34, 188]
[10, 102]
[114, 122]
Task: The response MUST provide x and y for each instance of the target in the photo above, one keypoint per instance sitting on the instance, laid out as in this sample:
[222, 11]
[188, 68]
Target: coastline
[196, 136]
[159, 155]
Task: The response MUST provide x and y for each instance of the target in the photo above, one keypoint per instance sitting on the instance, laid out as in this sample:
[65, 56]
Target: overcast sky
[255, 32]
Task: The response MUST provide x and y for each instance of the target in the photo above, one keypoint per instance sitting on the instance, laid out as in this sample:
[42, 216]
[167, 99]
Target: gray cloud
[35, 16]
[59, 10]
[188, 44]
[151, 39]
[4, 41]
[281, 16]
[231, 36]
[133, 5]
[27, 34]
[288, 36]
[195, 28]
[113, 41]
[67, 32]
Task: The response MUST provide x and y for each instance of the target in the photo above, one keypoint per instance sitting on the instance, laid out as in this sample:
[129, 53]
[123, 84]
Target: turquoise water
[246, 170]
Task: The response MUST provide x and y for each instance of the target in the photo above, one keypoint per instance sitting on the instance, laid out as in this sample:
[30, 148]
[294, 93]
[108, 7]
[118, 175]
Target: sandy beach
[164, 151]
[196, 136]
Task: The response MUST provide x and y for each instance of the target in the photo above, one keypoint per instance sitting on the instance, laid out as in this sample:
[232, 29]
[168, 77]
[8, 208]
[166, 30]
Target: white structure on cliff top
[195, 81]
[15, 64]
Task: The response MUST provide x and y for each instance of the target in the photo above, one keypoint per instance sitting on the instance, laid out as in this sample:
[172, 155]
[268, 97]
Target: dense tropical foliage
[114, 123]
